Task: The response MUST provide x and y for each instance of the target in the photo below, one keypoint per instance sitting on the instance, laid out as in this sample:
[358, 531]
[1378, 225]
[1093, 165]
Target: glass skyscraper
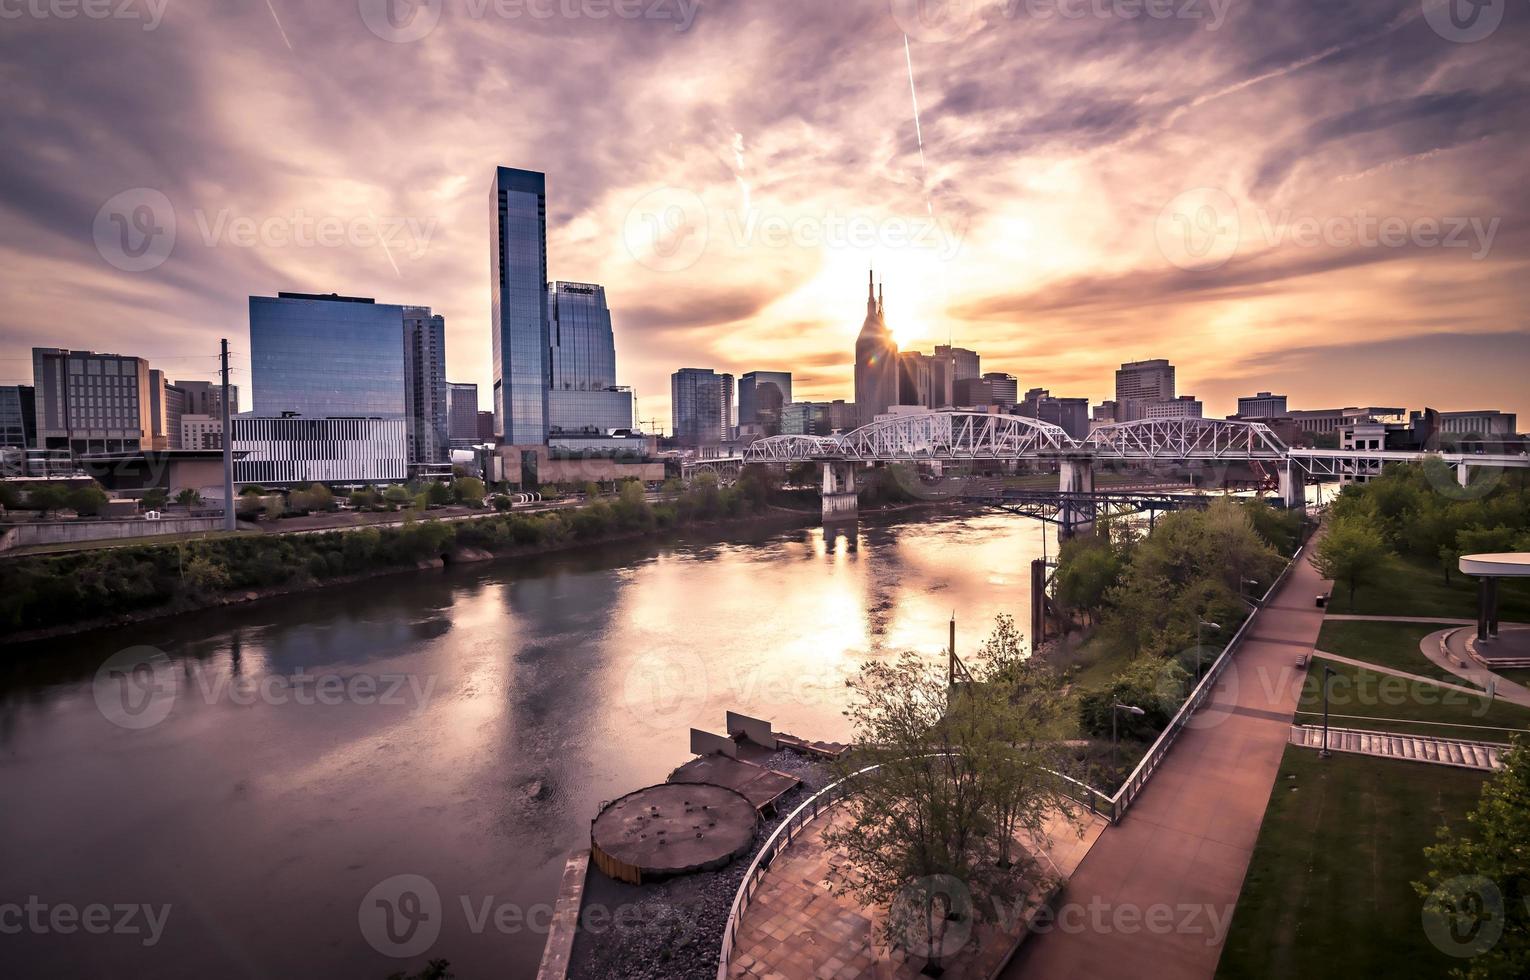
[584, 396]
[702, 405]
[762, 395]
[324, 356]
[518, 301]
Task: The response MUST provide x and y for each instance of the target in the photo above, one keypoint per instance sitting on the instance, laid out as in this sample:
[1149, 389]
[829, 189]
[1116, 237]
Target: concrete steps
[1394, 745]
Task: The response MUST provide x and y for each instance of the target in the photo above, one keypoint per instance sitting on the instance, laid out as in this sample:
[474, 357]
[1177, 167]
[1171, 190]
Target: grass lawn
[1394, 704]
[1394, 645]
[1410, 588]
[1519, 675]
[1328, 889]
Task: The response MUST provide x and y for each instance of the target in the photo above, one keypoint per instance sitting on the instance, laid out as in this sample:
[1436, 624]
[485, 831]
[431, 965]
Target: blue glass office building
[584, 396]
[518, 277]
[326, 356]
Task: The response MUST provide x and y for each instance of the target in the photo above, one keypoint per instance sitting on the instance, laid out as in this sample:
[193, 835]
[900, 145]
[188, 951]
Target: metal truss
[726, 470]
[955, 435]
[1185, 439]
[1071, 508]
[793, 449]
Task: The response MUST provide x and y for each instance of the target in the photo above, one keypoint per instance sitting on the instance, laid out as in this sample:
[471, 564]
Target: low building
[201, 432]
[1183, 407]
[529, 467]
[1262, 406]
[293, 449]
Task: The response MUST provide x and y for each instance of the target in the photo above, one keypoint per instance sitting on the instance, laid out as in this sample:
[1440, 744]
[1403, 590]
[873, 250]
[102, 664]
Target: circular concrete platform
[672, 829]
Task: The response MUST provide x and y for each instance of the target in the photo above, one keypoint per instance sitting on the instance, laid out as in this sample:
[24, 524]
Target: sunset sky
[1318, 198]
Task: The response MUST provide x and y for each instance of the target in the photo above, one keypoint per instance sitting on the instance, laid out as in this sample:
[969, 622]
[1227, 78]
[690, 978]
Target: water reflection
[528, 690]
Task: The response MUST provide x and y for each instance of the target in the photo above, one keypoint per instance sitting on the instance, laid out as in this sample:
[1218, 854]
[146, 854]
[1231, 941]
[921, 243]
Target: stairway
[1416, 748]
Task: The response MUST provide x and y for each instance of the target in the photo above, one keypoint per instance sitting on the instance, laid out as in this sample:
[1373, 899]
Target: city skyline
[1060, 223]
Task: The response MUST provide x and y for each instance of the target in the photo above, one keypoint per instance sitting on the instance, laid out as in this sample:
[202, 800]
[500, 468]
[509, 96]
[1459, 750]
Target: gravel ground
[673, 930]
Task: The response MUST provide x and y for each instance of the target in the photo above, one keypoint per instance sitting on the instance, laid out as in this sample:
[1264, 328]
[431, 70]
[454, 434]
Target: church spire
[881, 310]
[871, 293]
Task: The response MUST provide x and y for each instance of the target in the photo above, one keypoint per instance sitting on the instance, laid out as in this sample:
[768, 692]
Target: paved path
[1442, 620]
[1447, 650]
[1378, 669]
[1185, 845]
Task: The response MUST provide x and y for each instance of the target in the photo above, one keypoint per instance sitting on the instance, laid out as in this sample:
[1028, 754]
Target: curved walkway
[1475, 692]
[1155, 896]
[1446, 649]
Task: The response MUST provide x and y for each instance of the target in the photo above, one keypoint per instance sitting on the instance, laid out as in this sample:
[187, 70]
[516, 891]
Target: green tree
[1088, 567]
[155, 498]
[1351, 554]
[503, 503]
[10, 497]
[190, 497]
[1491, 854]
[88, 501]
[469, 490]
[396, 496]
[274, 507]
[47, 497]
[439, 494]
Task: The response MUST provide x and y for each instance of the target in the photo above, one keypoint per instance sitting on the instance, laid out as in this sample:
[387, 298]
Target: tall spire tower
[876, 360]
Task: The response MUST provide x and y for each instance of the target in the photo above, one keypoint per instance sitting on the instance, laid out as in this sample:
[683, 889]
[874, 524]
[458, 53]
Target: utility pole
[229, 521]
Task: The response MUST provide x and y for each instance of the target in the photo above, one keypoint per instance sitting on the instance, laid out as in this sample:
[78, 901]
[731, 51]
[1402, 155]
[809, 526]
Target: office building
[762, 397]
[18, 417]
[806, 419]
[462, 415]
[842, 415]
[200, 432]
[1477, 425]
[968, 364]
[584, 397]
[522, 350]
[1106, 413]
[91, 403]
[974, 393]
[702, 407]
[206, 398]
[1326, 421]
[327, 356]
[1069, 414]
[1141, 383]
[485, 428]
[1183, 407]
[877, 379]
[425, 371]
[279, 452]
[1004, 389]
[1262, 406]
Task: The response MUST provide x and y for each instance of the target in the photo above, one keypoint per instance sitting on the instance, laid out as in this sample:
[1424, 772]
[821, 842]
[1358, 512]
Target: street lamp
[1327, 673]
[1115, 738]
[1243, 596]
[1198, 624]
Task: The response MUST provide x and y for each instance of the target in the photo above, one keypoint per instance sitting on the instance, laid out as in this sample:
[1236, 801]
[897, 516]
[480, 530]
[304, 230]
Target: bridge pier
[841, 500]
[1293, 486]
[1075, 476]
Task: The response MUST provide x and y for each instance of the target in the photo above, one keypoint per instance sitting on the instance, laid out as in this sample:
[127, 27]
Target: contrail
[279, 25]
[382, 240]
[908, 58]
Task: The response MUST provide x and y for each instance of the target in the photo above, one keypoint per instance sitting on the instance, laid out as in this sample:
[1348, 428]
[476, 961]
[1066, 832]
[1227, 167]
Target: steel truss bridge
[1071, 508]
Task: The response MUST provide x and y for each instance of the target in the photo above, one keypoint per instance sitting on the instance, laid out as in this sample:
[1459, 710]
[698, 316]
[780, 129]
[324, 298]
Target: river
[225, 810]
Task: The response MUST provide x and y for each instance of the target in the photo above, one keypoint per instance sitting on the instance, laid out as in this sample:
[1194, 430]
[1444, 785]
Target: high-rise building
[1183, 407]
[462, 410]
[968, 364]
[1140, 383]
[806, 419]
[485, 427]
[1069, 414]
[200, 432]
[584, 396]
[91, 403]
[1262, 406]
[1005, 388]
[877, 380]
[159, 413]
[18, 417]
[518, 304]
[702, 406]
[762, 397]
[206, 398]
[425, 371]
[327, 356]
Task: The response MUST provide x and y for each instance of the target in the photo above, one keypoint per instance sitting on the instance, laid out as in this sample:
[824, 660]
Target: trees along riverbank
[90, 588]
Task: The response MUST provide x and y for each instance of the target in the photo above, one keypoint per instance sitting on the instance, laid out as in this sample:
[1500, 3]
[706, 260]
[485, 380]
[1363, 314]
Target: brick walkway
[1184, 846]
[805, 924]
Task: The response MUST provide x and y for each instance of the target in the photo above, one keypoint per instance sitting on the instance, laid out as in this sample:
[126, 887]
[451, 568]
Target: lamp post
[1327, 673]
[1198, 624]
[1241, 595]
[1115, 738]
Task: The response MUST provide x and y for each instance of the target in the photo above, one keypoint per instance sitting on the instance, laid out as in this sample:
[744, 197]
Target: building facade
[1069, 414]
[425, 373]
[91, 403]
[322, 356]
[18, 417]
[762, 399]
[877, 379]
[1141, 383]
[462, 415]
[1183, 407]
[200, 432]
[1003, 388]
[968, 364]
[806, 419]
[518, 306]
[702, 407]
[1262, 406]
[278, 452]
[584, 397]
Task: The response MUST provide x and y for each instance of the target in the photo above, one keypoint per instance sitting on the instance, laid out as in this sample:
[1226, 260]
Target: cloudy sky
[1321, 198]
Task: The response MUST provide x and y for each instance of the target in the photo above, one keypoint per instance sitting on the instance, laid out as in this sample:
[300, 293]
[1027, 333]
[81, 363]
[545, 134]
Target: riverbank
[440, 555]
